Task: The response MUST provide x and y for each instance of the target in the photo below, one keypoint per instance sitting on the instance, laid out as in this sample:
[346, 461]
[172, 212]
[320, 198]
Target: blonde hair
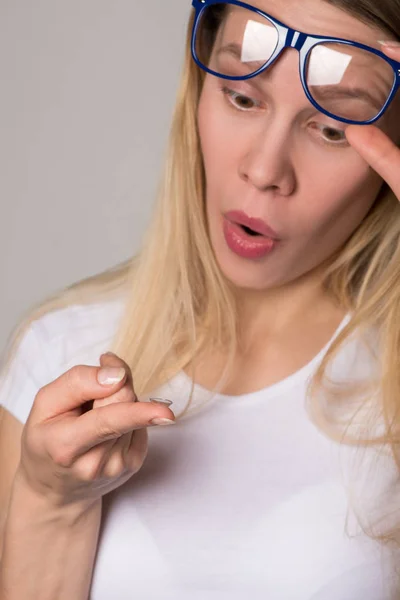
[178, 302]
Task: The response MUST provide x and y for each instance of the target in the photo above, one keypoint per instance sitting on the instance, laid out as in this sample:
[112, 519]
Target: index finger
[110, 422]
[378, 151]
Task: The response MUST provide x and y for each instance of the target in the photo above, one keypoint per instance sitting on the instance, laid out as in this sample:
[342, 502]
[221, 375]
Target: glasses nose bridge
[290, 38]
[294, 39]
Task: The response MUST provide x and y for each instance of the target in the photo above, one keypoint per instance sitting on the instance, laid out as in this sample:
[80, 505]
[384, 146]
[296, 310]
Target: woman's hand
[375, 147]
[72, 456]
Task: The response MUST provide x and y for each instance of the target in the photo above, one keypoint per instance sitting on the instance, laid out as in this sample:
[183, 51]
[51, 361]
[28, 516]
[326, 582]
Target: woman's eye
[332, 135]
[240, 101]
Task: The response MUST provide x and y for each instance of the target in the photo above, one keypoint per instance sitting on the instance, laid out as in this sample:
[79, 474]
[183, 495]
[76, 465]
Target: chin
[242, 273]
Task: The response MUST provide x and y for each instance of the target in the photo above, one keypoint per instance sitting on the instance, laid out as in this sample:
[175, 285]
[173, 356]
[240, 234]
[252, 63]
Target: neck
[270, 312]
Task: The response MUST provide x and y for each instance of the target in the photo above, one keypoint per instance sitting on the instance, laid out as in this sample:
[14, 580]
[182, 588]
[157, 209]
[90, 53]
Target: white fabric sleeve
[27, 373]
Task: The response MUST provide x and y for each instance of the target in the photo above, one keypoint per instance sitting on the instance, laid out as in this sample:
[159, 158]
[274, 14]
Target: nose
[267, 159]
[267, 163]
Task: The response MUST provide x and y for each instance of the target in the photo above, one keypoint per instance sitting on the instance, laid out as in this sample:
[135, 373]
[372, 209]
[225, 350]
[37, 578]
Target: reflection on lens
[349, 82]
[234, 41]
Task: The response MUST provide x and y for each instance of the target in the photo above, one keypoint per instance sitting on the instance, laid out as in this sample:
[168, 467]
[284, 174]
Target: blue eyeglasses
[347, 81]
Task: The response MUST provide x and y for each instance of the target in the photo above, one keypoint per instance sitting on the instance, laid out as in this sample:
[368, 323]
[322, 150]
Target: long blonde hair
[179, 303]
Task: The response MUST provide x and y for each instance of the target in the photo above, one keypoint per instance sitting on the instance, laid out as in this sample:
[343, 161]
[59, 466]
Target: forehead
[320, 18]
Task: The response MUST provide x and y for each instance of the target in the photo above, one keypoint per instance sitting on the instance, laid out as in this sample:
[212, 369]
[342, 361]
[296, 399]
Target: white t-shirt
[242, 499]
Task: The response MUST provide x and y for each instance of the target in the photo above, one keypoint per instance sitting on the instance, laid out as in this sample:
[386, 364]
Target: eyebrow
[234, 50]
[323, 91]
[338, 93]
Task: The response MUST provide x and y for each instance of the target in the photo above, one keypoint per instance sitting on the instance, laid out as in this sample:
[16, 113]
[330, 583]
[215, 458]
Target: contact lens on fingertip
[161, 401]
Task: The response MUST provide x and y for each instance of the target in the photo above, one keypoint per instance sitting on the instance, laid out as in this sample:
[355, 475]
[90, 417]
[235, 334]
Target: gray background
[87, 90]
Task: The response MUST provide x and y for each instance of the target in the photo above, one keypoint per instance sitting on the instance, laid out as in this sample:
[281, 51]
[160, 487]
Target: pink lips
[244, 244]
[258, 225]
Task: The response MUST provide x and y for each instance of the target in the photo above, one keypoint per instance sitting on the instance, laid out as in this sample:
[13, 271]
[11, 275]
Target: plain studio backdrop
[87, 90]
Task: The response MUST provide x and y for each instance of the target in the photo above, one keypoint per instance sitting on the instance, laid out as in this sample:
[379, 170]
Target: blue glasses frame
[304, 43]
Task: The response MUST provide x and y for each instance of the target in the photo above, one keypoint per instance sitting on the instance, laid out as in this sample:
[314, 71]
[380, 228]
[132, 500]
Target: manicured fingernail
[389, 43]
[160, 401]
[110, 375]
[162, 422]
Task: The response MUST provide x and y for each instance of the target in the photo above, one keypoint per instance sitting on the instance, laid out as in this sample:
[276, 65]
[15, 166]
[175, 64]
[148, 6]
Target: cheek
[345, 203]
[219, 139]
[209, 130]
[212, 148]
[358, 182]
[334, 180]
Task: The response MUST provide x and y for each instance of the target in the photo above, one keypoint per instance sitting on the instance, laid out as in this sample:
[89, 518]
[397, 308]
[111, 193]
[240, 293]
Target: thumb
[112, 360]
[109, 359]
[71, 390]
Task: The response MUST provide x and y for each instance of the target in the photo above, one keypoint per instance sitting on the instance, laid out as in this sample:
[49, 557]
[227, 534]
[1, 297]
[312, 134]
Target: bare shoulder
[10, 441]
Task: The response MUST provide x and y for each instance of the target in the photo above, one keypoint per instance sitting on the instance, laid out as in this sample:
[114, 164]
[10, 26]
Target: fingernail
[160, 401]
[110, 375]
[390, 43]
[162, 422]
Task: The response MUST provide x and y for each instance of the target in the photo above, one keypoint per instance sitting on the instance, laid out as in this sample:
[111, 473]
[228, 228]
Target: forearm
[48, 553]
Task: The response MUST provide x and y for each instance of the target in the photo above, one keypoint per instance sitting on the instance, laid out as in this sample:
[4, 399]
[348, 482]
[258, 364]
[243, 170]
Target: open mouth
[250, 231]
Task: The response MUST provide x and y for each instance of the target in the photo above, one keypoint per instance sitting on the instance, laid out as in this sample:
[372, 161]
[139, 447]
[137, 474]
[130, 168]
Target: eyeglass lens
[346, 81]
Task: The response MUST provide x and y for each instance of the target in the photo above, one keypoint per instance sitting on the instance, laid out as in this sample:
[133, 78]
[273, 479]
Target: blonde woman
[265, 305]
